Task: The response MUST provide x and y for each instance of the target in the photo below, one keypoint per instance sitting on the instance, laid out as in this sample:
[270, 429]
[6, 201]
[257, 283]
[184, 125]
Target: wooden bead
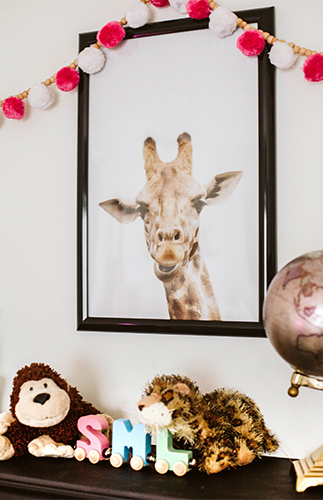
[302, 51]
[1, 103]
[243, 25]
[247, 27]
[239, 21]
[72, 65]
[266, 35]
[296, 49]
[52, 79]
[308, 52]
[25, 94]
[270, 39]
[291, 44]
[47, 82]
[282, 41]
[123, 21]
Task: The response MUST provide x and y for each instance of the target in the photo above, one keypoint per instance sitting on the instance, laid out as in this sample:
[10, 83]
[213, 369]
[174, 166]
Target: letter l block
[166, 451]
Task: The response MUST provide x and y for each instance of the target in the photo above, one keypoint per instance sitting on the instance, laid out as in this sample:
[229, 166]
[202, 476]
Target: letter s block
[91, 426]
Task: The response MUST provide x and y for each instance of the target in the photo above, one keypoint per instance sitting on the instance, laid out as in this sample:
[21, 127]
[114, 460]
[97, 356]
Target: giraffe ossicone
[170, 204]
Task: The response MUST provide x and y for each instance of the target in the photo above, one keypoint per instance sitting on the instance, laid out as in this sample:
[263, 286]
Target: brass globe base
[309, 471]
[300, 379]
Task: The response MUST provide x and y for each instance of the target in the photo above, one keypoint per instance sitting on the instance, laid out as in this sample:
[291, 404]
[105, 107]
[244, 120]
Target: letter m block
[127, 439]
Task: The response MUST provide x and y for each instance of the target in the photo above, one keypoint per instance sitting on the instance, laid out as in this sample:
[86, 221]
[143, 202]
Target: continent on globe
[312, 344]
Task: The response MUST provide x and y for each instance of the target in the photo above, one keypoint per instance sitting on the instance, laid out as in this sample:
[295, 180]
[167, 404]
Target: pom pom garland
[251, 43]
[91, 60]
[111, 34]
[282, 55]
[138, 15]
[223, 22]
[198, 9]
[313, 68]
[160, 3]
[67, 79]
[40, 96]
[179, 5]
[13, 108]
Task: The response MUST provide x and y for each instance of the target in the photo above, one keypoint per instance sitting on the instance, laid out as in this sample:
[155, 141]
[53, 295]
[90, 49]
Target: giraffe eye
[143, 209]
[199, 204]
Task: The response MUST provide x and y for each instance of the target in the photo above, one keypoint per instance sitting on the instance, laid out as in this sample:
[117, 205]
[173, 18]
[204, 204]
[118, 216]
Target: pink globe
[293, 313]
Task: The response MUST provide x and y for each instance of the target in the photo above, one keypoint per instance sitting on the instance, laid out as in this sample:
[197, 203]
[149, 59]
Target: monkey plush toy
[44, 410]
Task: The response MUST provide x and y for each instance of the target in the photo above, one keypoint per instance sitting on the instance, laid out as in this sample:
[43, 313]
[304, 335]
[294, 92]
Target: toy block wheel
[80, 454]
[94, 456]
[116, 460]
[161, 466]
[136, 463]
[180, 468]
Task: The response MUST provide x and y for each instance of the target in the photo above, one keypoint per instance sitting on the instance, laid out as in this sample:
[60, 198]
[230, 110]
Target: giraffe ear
[220, 187]
[122, 212]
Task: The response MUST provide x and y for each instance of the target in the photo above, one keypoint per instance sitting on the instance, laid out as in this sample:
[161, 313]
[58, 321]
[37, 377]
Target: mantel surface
[52, 479]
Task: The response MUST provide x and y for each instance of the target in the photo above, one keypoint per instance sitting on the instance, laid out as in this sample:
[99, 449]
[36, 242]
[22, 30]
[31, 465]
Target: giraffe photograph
[173, 183]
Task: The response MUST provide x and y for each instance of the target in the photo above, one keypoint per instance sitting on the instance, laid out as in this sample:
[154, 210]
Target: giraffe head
[170, 204]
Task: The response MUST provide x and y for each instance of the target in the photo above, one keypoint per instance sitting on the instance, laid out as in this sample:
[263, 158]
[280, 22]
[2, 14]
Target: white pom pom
[222, 22]
[138, 15]
[282, 55]
[40, 96]
[91, 60]
[179, 5]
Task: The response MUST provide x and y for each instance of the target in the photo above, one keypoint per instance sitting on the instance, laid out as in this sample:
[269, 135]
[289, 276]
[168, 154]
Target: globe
[293, 313]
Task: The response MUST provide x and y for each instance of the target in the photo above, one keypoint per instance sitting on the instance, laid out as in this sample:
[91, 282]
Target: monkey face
[42, 403]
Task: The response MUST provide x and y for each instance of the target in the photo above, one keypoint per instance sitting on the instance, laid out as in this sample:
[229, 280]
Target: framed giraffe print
[176, 183]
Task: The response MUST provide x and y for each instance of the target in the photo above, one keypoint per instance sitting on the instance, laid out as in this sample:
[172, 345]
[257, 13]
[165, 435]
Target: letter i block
[168, 458]
[126, 438]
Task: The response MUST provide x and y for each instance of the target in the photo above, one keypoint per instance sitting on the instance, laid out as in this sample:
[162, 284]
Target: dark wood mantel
[65, 479]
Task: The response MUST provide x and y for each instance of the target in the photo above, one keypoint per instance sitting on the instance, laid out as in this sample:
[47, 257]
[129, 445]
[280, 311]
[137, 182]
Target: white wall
[38, 228]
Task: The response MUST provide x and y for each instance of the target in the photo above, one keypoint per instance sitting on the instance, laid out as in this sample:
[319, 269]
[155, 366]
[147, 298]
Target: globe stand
[309, 471]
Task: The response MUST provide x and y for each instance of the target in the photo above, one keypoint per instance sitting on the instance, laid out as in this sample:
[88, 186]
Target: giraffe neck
[190, 294]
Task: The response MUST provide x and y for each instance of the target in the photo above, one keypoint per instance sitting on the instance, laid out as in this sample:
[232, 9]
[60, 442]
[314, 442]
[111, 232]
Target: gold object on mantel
[309, 471]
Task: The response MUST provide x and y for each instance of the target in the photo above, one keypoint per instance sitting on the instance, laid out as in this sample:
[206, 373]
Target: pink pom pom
[313, 68]
[159, 3]
[67, 79]
[13, 108]
[198, 9]
[111, 34]
[251, 43]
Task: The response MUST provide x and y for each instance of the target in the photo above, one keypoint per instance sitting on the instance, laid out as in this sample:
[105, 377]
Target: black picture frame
[264, 18]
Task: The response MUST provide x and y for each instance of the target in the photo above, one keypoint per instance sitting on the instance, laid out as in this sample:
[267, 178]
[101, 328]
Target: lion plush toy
[43, 416]
[223, 428]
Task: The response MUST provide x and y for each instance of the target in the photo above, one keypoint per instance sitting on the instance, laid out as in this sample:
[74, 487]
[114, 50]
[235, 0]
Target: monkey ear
[122, 212]
[182, 389]
[220, 187]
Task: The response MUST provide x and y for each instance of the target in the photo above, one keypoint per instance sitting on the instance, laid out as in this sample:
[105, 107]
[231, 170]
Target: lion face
[42, 403]
[170, 401]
